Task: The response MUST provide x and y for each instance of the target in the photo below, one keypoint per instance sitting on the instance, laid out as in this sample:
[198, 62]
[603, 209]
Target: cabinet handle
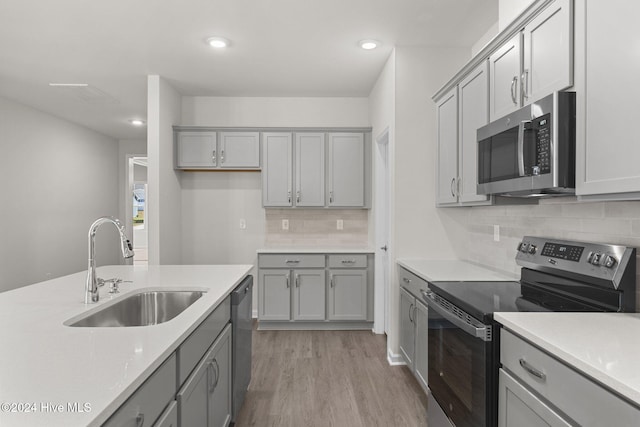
[139, 420]
[514, 82]
[213, 157]
[453, 182]
[217, 371]
[348, 261]
[289, 196]
[291, 261]
[297, 280]
[288, 279]
[524, 83]
[331, 281]
[222, 156]
[405, 280]
[533, 371]
[298, 197]
[330, 196]
[410, 310]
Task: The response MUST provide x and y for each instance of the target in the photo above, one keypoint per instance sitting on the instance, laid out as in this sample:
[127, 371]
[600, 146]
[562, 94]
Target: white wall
[165, 194]
[57, 179]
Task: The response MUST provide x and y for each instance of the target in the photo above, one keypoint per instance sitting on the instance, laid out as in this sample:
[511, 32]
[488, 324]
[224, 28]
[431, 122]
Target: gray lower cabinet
[205, 398]
[169, 417]
[315, 291]
[536, 389]
[414, 325]
[309, 294]
[348, 294]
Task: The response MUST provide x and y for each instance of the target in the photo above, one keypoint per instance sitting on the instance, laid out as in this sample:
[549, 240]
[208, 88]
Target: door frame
[382, 233]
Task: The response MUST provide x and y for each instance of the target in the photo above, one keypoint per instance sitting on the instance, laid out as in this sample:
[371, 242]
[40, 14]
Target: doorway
[136, 208]
[382, 235]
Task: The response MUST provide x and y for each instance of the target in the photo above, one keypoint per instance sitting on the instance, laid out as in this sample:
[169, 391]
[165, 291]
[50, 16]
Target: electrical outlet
[243, 224]
[340, 224]
[496, 233]
[285, 224]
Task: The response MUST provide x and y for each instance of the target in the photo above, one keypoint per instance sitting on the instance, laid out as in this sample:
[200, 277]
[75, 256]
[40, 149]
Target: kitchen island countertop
[45, 363]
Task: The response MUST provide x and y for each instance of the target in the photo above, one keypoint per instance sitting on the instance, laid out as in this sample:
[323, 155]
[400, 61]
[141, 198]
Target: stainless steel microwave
[530, 152]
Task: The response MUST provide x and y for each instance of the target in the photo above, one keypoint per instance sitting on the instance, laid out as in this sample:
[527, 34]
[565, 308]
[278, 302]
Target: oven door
[460, 366]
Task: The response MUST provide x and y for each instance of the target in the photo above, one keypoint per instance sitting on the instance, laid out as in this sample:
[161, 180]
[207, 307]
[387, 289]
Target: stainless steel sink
[140, 309]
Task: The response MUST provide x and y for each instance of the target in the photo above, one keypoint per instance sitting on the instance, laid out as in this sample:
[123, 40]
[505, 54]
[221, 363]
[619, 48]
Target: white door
[504, 87]
[382, 277]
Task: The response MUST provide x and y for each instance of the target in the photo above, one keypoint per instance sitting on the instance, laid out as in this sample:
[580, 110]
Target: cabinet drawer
[147, 403]
[347, 260]
[567, 389]
[412, 283]
[291, 261]
[194, 347]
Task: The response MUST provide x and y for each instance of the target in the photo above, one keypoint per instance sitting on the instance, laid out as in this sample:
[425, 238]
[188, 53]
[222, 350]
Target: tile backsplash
[561, 218]
[317, 228]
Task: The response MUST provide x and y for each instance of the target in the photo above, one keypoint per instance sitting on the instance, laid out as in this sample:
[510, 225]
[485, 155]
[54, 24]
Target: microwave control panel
[542, 126]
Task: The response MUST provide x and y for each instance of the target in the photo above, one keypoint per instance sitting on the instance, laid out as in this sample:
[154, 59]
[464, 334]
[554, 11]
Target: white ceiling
[279, 48]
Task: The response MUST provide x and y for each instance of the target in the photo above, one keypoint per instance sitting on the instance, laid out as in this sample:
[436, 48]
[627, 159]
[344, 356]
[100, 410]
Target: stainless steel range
[556, 275]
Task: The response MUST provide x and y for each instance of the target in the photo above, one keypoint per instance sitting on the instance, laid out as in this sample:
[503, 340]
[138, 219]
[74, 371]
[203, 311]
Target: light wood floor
[328, 378]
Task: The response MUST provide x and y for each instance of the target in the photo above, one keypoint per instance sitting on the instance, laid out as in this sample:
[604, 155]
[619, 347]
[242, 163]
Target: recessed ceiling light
[137, 122]
[218, 42]
[369, 44]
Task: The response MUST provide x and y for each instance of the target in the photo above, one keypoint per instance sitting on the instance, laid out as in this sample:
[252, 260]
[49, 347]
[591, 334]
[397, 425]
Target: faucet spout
[91, 287]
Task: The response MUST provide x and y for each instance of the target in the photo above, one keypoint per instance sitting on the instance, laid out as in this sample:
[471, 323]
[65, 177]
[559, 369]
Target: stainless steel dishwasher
[241, 307]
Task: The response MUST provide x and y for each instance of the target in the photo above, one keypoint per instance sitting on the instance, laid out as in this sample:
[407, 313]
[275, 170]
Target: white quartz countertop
[603, 346]
[316, 250]
[45, 363]
[452, 270]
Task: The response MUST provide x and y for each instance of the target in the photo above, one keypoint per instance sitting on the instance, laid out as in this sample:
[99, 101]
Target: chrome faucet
[91, 288]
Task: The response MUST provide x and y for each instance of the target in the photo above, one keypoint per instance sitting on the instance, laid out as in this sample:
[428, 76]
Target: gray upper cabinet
[348, 294]
[309, 294]
[310, 167]
[239, 150]
[277, 170]
[346, 180]
[472, 114]
[447, 109]
[196, 150]
[505, 66]
[607, 148]
[548, 52]
[211, 150]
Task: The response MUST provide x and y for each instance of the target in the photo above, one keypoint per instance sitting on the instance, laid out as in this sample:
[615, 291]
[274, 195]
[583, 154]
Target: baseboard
[274, 325]
[395, 359]
[254, 314]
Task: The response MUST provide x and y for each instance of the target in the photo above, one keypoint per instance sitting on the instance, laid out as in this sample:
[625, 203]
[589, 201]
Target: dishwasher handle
[242, 290]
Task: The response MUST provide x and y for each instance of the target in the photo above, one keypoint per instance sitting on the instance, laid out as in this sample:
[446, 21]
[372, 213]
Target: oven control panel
[590, 259]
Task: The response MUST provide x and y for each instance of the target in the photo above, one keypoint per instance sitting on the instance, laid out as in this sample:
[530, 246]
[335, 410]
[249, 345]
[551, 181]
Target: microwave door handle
[521, 129]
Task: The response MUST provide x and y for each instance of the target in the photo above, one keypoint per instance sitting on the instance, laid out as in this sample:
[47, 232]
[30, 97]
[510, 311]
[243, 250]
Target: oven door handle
[483, 332]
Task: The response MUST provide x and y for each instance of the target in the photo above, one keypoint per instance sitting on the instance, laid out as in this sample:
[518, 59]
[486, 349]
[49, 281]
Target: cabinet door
[274, 296]
[346, 169]
[309, 169]
[193, 397]
[518, 407]
[309, 294]
[504, 87]
[220, 382]
[421, 360]
[447, 108]
[473, 114]
[348, 295]
[607, 146]
[407, 328]
[239, 150]
[276, 169]
[169, 417]
[548, 52]
[196, 150]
